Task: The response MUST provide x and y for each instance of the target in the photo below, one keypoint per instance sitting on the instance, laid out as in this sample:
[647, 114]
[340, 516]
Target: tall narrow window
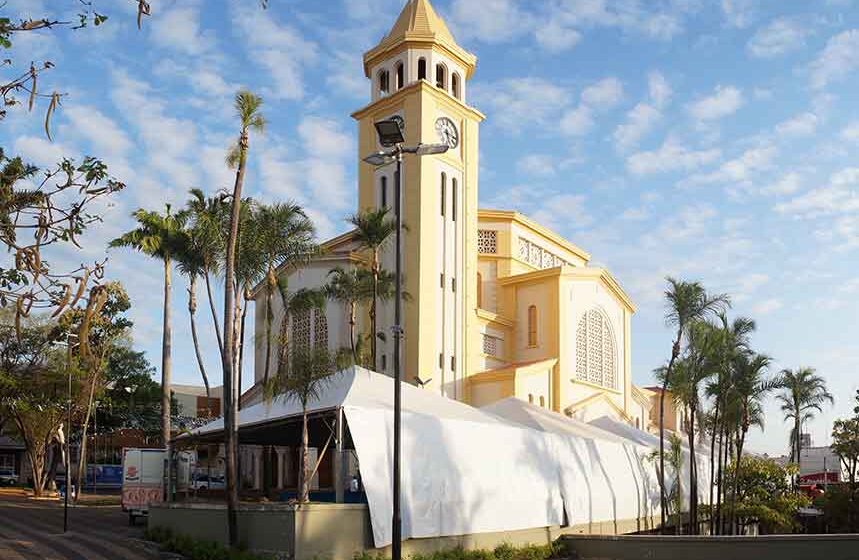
[384, 362]
[443, 189]
[531, 398]
[542, 401]
[400, 76]
[479, 290]
[532, 326]
[454, 85]
[440, 75]
[453, 191]
[383, 193]
[422, 69]
[384, 82]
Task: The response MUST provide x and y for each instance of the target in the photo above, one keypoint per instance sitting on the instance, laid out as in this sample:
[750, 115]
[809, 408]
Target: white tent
[604, 476]
[464, 470]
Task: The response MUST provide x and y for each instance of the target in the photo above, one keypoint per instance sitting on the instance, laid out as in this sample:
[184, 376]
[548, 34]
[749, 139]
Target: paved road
[33, 530]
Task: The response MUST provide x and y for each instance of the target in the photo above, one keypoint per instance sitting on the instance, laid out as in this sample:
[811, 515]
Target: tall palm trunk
[241, 343]
[166, 366]
[722, 430]
[713, 463]
[373, 309]
[693, 476]
[269, 319]
[303, 481]
[214, 312]
[663, 500]
[192, 312]
[352, 313]
[741, 440]
[231, 406]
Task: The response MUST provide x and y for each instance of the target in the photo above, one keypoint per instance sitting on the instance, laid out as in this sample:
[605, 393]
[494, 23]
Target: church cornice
[394, 101]
[577, 272]
[525, 221]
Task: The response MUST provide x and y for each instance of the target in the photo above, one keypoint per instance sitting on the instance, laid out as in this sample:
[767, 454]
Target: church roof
[419, 23]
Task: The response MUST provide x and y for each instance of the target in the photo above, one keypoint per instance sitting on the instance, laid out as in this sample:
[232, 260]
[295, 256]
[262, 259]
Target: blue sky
[706, 140]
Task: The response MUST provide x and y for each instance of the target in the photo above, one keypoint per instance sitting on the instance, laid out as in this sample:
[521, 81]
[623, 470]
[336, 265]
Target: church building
[498, 304]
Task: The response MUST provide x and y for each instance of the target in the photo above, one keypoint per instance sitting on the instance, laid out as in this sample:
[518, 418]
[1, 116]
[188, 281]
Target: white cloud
[490, 21]
[102, 132]
[838, 58]
[739, 169]
[724, 101]
[851, 132]
[539, 165]
[39, 151]
[603, 94]
[788, 184]
[839, 196]
[779, 37]
[800, 125]
[518, 102]
[577, 122]
[650, 19]
[279, 48]
[659, 90]
[639, 121]
[767, 306]
[562, 210]
[178, 28]
[671, 156]
[556, 38]
[323, 137]
[739, 13]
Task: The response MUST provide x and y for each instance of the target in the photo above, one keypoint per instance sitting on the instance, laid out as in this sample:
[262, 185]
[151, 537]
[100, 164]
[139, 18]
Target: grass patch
[195, 549]
[500, 552]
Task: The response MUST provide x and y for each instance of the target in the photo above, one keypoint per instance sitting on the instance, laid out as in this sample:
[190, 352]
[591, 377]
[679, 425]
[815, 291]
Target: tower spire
[419, 26]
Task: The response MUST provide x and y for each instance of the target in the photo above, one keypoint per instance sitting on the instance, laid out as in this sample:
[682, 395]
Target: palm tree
[803, 393]
[208, 216]
[248, 109]
[352, 288]
[159, 236]
[687, 302]
[190, 260]
[373, 228]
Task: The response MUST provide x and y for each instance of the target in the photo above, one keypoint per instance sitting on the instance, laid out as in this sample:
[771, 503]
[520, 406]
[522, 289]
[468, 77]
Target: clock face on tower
[447, 132]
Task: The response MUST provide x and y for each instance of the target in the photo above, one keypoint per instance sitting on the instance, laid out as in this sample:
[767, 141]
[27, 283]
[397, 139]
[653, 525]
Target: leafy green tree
[845, 442]
[764, 494]
[803, 393]
[373, 229]
[131, 398]
[250, 118]
[687, 302]
[351, 287]
[159, 236]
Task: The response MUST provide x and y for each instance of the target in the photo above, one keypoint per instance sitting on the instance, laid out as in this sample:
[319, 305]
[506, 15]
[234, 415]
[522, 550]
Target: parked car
[8, 477]
[204, 482]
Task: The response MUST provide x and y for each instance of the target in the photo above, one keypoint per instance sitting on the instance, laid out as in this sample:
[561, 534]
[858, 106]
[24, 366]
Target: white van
[143, 478]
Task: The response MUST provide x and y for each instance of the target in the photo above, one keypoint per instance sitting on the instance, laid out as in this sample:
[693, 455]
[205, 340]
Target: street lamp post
[391, 138]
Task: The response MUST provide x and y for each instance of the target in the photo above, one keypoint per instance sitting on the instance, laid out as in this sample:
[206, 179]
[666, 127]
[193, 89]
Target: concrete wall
[658, 547]
[338, 531]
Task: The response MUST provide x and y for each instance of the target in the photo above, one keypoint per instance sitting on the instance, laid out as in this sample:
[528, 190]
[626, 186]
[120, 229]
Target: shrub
[195, 549]
[500, 552]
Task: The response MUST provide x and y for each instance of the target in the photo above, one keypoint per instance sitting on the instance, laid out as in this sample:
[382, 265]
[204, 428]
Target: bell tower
[419, 76]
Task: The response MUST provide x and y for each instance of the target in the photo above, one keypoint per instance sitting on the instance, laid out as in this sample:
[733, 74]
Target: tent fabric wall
[467, 470]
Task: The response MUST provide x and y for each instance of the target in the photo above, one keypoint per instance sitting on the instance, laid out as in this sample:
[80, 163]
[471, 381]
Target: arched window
[532, 326]
[453, 189]
[454, 85]
[383, 193]
[531, 398]
[422, 69]
[479, 290]
[595, 355]
[440, 76]
[638, 423]
[542, 401]
[443, 189]
[384, 82]
[400, 76]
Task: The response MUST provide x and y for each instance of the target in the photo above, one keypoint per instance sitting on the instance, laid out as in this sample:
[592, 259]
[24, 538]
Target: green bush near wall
[194, 549]
[500, 552]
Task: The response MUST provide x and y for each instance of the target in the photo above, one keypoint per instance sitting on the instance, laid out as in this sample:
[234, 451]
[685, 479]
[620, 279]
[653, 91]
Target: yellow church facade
[498, 305]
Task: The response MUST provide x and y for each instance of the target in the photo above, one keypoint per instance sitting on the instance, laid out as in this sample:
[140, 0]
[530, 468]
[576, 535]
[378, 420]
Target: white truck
[143, 478]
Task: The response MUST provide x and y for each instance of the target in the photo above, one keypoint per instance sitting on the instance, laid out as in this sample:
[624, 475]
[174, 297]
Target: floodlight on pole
[391, 137]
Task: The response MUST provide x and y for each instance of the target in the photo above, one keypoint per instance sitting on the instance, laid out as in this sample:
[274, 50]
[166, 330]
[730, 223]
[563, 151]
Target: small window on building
[383, 193]
[422, 69]
[400, 76]
[638, 423]
[532, 326]
[542, 401]
[443, 191]
[453, 191]
[454, 85]
[440, 76]
[479, 290]
[384, 82]
[384, 362]
[530, 398]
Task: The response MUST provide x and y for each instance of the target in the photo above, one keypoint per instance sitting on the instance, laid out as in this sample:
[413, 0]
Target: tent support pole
[339, 463]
